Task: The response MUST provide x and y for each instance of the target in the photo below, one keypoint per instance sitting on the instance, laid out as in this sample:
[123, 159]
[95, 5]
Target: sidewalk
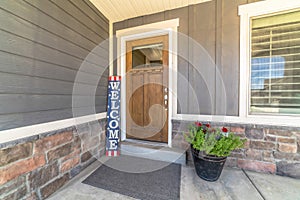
[233, 184]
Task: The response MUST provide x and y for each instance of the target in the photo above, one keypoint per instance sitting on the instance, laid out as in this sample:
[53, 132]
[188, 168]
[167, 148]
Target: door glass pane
[147, 56]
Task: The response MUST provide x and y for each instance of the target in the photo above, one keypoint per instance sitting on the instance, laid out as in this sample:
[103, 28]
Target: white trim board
[143, 29]
[262, 120]
[111, 49]
[150, 30]
[27, 131]
[267, 7]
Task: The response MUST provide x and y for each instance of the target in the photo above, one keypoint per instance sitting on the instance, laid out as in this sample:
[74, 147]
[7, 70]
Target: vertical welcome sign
[113, 116]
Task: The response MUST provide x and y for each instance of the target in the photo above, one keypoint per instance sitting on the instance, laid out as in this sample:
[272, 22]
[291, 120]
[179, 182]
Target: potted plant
[210, 148]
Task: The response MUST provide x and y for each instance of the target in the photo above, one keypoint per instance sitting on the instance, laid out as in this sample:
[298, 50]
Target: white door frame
[168, 27]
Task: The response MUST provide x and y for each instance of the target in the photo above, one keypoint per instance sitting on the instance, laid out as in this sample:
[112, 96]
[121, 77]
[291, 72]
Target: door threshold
[144, 142]
[153, 151]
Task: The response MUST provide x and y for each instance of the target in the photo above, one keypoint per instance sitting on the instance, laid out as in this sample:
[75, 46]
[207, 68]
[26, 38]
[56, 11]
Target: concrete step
[154, 152]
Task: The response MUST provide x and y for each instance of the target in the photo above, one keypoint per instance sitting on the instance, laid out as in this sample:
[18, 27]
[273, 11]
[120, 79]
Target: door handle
[166, 101]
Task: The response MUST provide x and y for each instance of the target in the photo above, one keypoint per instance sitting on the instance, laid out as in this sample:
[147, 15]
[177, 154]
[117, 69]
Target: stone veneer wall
[269, 149]
[35, 167]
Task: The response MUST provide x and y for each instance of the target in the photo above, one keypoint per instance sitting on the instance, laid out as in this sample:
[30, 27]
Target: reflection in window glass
[147, 56]
[275, 64]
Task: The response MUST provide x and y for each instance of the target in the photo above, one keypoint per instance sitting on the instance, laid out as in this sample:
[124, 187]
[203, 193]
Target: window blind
[275, 64]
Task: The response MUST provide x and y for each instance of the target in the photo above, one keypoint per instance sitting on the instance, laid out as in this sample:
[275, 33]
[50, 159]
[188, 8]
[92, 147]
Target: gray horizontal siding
[93, 13]
[22, 84]
[25, 119]
[32, 15]
[15, 44]
[72, 8]
[208, 55]
[21, 28]
[44, 45]
[41, 69]
[30, 103]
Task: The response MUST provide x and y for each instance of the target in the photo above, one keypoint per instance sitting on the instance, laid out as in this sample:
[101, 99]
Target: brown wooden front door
[147, 89]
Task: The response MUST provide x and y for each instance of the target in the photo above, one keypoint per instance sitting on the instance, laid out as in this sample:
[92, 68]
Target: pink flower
[224, 130]
[207, 125]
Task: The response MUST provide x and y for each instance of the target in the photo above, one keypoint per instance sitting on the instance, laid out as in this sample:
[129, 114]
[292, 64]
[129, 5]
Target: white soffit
[119, 10]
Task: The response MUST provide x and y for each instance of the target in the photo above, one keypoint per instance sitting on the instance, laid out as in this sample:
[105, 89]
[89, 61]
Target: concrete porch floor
[233, 184]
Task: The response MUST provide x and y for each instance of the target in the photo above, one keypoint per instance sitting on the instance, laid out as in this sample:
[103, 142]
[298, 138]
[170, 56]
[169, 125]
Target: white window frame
[246, 12]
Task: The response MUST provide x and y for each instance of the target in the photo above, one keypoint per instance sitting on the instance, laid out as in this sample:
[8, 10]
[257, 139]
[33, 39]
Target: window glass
[147, 56]
[275, 64]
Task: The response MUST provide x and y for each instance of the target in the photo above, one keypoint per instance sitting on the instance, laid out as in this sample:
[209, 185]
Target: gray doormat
[138, 178]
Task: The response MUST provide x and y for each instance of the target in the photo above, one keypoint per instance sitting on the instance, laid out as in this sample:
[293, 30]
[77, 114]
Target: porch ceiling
[119, 10]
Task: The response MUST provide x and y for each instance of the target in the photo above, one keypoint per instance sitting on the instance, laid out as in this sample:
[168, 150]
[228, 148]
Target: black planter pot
[207, 167]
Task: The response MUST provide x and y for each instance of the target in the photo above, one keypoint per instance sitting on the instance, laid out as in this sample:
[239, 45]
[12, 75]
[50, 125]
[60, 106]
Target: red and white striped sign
[114, 78]
[112, 153]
